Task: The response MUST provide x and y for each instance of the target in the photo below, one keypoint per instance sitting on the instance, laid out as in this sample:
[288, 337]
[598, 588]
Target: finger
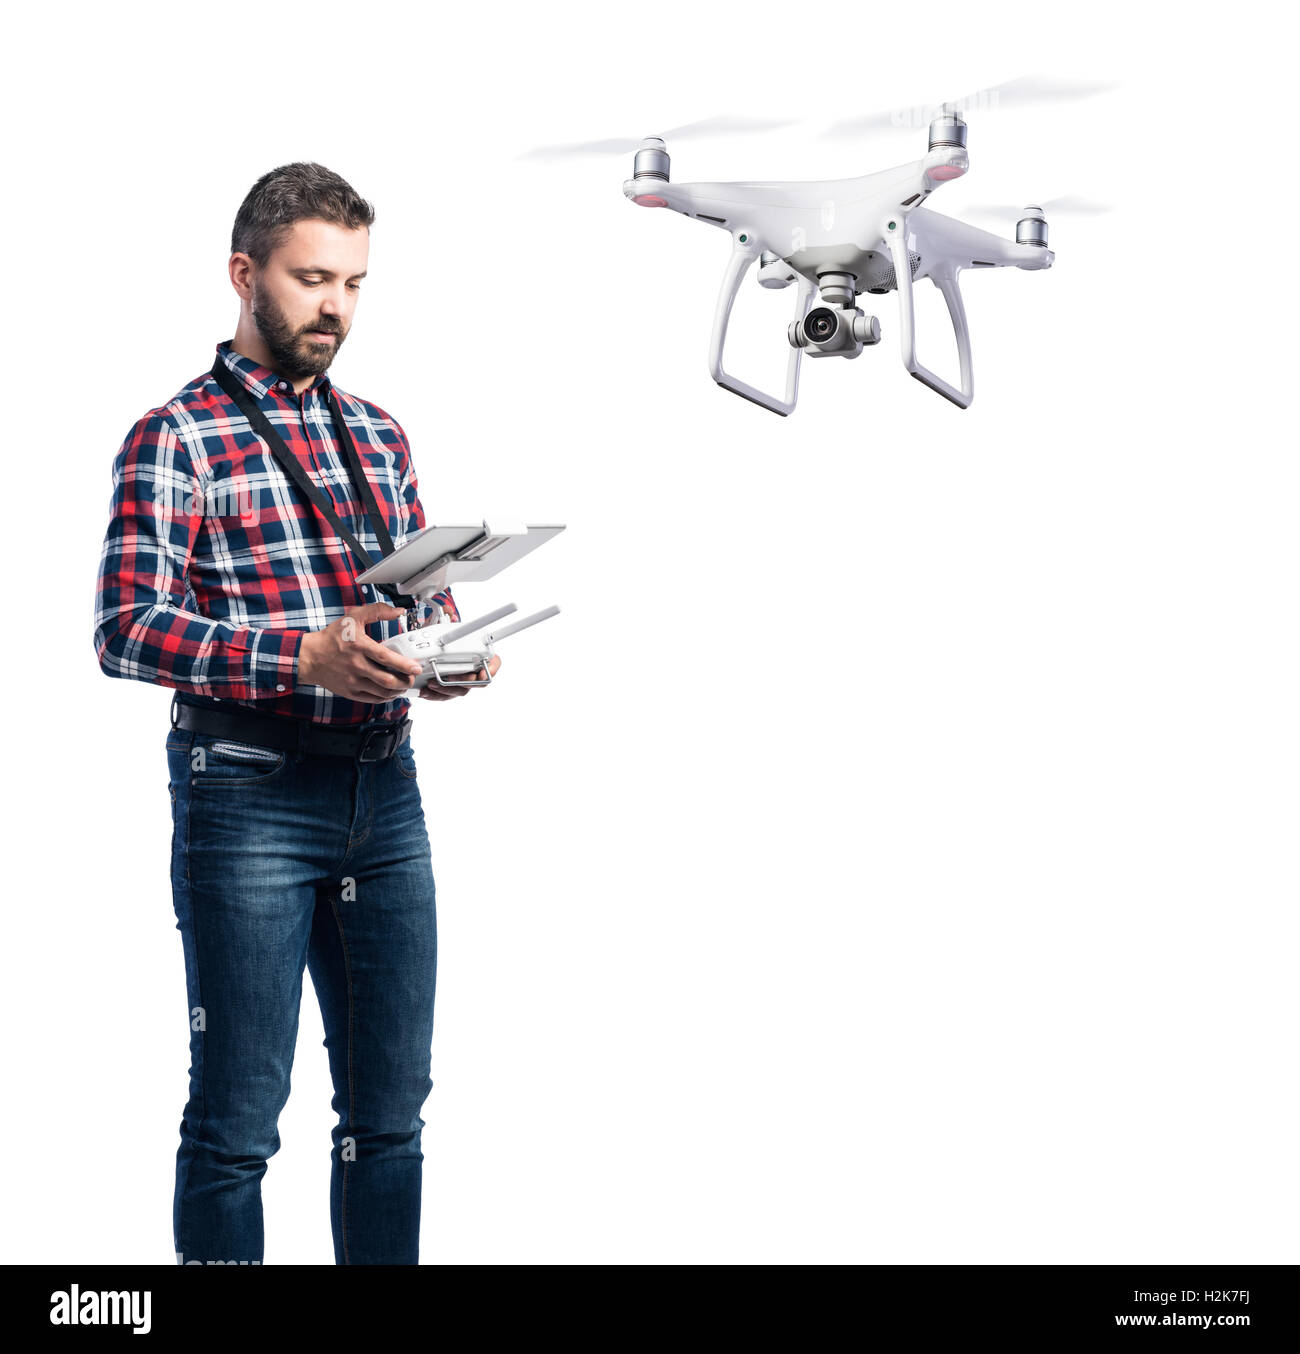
[449, 690]
[437, 693]
[382, 679]
[374, 611]
[363, 692]
[386, 658]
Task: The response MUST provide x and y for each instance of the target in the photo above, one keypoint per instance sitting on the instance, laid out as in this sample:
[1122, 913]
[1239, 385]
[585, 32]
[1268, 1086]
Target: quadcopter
[843, 238]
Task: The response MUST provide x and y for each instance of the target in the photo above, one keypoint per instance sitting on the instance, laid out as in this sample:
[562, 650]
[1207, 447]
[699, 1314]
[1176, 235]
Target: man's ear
[240, 268]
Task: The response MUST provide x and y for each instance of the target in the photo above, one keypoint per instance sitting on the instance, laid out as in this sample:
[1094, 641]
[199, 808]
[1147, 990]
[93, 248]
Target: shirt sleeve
[413, 520]
[147, 625]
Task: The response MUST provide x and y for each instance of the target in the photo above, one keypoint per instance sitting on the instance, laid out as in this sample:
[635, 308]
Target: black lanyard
[227, 380]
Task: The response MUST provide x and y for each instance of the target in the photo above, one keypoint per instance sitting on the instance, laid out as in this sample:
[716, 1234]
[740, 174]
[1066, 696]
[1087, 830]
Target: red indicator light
[650, 200]
[946, 172]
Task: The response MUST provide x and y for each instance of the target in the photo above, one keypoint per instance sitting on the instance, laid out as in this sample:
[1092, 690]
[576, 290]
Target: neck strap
[292, 467]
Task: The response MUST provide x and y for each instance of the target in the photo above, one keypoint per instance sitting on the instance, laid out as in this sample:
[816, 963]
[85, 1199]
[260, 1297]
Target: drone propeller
[722, 126]
[1029, 91]
[1051, 206]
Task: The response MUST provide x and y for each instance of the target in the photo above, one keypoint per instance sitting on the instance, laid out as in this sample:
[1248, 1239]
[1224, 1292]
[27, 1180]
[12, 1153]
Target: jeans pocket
[222, 763]
[404, 760]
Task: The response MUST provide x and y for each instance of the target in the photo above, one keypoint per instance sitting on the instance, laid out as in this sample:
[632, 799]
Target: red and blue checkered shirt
[214, 566]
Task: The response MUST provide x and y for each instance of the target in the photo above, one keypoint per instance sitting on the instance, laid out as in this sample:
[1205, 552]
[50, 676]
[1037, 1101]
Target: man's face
[303, 299]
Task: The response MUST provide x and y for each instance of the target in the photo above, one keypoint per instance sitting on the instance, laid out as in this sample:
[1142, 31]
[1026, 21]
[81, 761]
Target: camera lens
[820, 325]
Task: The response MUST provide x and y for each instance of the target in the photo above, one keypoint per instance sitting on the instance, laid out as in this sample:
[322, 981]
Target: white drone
[844, 237]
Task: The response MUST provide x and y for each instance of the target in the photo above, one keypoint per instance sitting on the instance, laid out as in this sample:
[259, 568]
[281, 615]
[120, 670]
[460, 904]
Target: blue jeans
[280, 860]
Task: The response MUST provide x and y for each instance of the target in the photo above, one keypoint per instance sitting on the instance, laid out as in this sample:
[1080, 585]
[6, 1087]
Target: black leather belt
[365, 743]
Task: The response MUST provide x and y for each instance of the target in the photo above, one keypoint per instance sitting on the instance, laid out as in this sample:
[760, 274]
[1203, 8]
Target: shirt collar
[259, 380]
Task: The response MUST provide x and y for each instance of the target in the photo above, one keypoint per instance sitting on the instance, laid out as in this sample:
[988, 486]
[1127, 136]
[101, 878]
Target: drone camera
[821, 325]
[830, 332]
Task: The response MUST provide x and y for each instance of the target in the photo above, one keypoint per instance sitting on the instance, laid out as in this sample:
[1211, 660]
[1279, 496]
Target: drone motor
[1032, 228]
[651, 166]
[948, 129]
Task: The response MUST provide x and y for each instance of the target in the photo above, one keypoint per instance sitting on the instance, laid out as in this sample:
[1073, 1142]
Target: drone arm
[737, 266]
[945, 278]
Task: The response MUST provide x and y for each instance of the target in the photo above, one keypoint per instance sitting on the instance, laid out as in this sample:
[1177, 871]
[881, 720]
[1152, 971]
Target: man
[298, 832]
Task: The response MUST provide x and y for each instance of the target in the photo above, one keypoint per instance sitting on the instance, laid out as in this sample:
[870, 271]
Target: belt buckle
[389, 732]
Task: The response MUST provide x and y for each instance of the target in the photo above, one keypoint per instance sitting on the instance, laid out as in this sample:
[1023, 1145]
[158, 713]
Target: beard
[293, 354]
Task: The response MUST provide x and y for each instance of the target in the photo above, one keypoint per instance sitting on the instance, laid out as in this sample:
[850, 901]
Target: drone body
[842, 238]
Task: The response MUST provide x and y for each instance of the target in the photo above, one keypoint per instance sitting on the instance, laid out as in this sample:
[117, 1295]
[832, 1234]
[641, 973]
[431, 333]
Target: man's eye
[311, 282]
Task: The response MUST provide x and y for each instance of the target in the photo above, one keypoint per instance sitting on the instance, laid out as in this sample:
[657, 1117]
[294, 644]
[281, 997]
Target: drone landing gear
[738, 265]
[944, 276]
[854, 331]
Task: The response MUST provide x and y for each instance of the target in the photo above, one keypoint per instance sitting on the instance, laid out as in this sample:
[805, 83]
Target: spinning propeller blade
[1050, 207]
[1029, 91]
[721, 126]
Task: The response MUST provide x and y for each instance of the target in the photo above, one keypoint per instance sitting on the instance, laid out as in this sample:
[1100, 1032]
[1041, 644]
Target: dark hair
[304, 191]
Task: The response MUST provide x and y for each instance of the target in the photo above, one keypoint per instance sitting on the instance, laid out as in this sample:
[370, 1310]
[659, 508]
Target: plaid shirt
[214, 567]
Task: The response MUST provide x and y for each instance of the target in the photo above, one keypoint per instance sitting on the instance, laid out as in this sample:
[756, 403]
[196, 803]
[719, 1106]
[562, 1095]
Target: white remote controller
[444, 666]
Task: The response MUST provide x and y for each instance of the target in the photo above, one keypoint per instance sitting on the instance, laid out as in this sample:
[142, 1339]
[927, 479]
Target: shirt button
[279, 688]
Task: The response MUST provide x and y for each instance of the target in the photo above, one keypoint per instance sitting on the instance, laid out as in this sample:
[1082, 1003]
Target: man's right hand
[345, 660]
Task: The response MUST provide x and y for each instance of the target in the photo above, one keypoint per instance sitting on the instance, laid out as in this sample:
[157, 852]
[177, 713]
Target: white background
[890, 854]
